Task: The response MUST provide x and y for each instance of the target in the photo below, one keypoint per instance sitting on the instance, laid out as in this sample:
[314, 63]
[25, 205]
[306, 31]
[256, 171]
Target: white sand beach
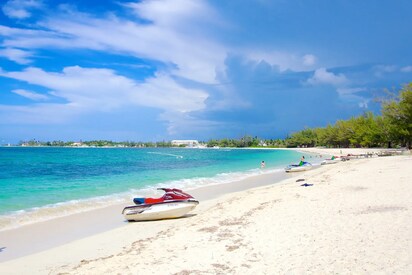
[352, 217]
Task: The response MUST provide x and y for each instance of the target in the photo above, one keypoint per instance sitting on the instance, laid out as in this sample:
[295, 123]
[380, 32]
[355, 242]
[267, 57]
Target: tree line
[95, 143]
[393, 128]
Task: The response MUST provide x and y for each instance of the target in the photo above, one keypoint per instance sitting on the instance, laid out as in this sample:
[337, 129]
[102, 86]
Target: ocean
[39, 183]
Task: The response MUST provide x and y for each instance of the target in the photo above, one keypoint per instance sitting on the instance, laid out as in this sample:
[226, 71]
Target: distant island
[246, 141]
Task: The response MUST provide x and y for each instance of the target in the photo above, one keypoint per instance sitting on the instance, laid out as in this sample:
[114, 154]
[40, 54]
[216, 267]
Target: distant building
[188, 143]
[77, 144]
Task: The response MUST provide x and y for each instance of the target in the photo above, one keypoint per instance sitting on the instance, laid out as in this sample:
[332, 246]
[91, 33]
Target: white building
[77, 144]
[188, 143]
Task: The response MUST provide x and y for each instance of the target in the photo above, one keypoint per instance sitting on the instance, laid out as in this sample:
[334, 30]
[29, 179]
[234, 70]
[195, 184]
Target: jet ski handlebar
[169, 189]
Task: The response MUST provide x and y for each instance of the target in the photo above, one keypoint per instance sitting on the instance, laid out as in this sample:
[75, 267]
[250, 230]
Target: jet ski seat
[138, 201]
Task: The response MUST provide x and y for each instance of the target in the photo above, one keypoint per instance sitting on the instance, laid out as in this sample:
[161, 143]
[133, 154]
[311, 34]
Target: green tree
[331, 136]
[399, 113]
[344, 132]
[383, 132]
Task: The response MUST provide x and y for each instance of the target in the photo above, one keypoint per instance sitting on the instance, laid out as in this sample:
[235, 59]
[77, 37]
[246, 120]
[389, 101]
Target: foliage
[392, 128]
[95, 143]
[398, 112]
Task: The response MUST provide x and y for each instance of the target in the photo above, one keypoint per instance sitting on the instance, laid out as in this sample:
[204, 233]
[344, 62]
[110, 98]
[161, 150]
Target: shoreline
[32, 238]
[20, 218]
[346, 151]
[74, 205]
[343, 184]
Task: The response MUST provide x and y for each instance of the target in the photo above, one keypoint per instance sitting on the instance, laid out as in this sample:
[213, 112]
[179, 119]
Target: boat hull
[331, 161]
[159, 211]
[298, 168]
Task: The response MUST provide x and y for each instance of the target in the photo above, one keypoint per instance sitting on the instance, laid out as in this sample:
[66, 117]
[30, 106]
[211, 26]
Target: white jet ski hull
[298, 168]
[159, 211]
[331, 161]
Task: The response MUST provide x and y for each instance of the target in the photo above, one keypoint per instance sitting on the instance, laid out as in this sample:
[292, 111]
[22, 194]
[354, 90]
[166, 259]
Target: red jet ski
[173, 204]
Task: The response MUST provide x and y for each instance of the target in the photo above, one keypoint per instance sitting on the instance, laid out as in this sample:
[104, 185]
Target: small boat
[331, 160]
[173, 204]
[298, 168]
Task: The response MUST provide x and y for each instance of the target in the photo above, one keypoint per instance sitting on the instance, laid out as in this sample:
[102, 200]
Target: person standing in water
[262, 164]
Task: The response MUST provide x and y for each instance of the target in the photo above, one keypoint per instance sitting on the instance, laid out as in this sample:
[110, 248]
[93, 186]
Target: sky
[179, 69]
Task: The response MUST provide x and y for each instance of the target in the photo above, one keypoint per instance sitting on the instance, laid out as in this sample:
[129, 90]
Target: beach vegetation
[398, 113]
[95, 143]
[393, 128]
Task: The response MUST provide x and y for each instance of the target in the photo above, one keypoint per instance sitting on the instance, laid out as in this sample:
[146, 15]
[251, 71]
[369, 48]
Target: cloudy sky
[181, 69]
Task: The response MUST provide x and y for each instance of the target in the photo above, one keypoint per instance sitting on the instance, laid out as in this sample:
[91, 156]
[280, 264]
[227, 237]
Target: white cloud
[183, 124]
[89, 90]
[42, 113]
[351, 95]
[15, 32]
[322, 76]
[30, 95]
[363, 104]
[349, 91]
[172, 12]
[385, 68]
[283, 60]
[16, 55]
[406, 69]
[174, 36]
[163, 92]
[381, 70]
[20, 9]
[309, 60]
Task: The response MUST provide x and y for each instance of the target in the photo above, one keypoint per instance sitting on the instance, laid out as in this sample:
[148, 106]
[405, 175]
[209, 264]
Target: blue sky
[179, 69]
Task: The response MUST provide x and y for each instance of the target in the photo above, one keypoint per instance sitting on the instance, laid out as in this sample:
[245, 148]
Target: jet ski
[173, 204]
[298, 168]
[332, 160]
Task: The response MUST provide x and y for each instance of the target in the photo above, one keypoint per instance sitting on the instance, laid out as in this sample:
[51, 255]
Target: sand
[353, 217]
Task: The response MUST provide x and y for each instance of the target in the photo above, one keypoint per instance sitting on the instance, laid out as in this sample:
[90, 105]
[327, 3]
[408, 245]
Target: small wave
[166, 154]
[39, 214]
[222, 178]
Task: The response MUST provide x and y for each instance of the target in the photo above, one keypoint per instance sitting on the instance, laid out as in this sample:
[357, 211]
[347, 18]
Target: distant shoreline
[305, 149]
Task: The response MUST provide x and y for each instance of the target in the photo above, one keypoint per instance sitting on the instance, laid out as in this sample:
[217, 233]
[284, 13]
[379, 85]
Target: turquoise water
[34, 179]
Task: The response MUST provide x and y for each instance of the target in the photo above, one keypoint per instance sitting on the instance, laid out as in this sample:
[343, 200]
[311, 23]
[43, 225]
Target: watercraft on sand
[173, 204]
[331, 160]
[298, 168]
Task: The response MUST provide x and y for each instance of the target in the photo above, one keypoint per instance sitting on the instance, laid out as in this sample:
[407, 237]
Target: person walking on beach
[262, 164]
